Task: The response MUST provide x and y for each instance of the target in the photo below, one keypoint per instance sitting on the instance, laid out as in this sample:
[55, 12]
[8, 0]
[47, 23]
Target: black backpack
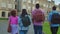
[26, 21]
[55, 18]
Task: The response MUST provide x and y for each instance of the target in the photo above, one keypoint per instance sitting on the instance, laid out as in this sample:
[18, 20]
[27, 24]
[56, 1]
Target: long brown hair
[13, 12]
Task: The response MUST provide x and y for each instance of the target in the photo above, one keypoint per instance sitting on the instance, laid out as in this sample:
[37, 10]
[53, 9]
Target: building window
[29, 1]
[24, 0]
[44, 5]
[3, 14]
[33, 1]
[9, 6]
[37, 1]
[3, 5]
[33, 7]
[59, 6]
[24, 7]
[15, 6]
[16, 0]
[8, 14]
[29, 7]
[49, 6]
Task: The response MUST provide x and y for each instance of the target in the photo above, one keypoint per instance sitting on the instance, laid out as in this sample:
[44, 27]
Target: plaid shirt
[33, 13]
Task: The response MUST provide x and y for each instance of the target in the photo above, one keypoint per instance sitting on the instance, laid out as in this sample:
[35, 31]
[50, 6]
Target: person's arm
[18, 21]
[49, 18]
[30, 19]
[43, 15]
[32, 16]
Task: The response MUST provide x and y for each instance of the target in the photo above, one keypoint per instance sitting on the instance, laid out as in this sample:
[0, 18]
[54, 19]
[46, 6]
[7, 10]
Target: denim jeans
[23, 31]
[37, 29]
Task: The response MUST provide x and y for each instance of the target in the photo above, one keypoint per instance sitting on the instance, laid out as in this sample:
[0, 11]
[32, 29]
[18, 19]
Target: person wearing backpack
[24, 21]
[54, 20]
[38, 19]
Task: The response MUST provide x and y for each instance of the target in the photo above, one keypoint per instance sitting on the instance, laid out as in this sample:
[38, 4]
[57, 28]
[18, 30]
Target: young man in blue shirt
[53, 27]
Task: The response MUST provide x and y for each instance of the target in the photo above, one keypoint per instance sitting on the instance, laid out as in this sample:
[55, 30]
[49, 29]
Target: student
[24, 22]
[54, 20]
[38, 19]
[13, 21]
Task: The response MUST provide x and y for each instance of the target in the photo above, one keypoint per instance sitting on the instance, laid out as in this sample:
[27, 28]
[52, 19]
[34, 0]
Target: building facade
[58, 7]
[5, 7]
[30, 4]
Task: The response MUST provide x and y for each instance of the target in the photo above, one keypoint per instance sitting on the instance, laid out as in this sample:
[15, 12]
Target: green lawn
[3, 18]
[46, 28]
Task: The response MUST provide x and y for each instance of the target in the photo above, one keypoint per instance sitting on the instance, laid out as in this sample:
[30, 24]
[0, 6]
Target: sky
[56, 1]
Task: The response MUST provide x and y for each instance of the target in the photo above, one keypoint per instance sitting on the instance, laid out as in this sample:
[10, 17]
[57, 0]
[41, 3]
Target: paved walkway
[4, 25]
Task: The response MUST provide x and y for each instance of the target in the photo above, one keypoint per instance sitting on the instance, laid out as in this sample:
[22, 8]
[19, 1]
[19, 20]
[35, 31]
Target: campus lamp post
[18, 6]
[31, 4]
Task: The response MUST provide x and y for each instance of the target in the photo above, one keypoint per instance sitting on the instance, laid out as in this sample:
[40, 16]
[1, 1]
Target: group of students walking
[24, 20]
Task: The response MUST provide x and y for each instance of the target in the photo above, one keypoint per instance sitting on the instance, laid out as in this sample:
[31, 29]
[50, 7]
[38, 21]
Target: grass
[3, 18]
[46, 28]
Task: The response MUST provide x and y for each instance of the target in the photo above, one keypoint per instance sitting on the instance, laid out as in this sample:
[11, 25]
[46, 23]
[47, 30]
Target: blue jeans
[23, 32]
[37, 29]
